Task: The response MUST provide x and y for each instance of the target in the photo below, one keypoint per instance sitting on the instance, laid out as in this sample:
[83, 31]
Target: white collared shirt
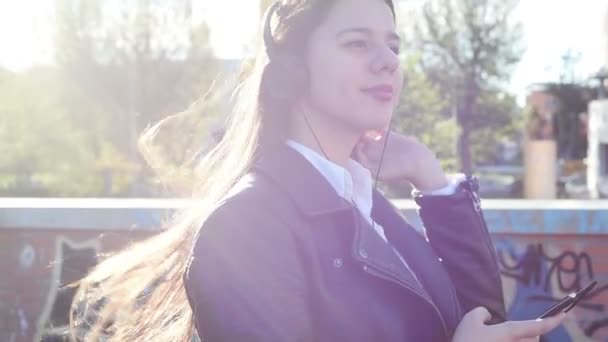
[353, 183]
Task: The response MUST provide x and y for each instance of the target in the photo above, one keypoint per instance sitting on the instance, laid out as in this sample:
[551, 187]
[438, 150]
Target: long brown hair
[138, 293]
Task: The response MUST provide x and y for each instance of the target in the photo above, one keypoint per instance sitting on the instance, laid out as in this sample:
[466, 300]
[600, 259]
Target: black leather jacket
[284, 258]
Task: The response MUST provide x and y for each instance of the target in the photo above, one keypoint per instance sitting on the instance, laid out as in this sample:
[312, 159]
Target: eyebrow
[391, 35]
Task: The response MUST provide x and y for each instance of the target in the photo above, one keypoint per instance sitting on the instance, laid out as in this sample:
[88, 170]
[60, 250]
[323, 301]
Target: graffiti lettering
[569, 269]
[538, 274]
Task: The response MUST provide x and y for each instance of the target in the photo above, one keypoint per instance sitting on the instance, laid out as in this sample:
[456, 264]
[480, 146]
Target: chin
[381, 124]
[363, 121]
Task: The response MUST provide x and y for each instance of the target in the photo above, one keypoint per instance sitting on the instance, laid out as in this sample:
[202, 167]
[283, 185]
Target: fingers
[521, 331]
[480, 314]
[533, 328]
[531, 339]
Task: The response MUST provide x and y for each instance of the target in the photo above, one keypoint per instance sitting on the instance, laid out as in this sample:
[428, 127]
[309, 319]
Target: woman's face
[355, 78]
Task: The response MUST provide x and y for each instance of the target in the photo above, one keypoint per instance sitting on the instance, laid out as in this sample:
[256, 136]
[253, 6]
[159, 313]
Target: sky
[551, 27]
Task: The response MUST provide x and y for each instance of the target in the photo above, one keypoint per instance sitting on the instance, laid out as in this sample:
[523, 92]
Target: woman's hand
[405, 158]
[473, 327]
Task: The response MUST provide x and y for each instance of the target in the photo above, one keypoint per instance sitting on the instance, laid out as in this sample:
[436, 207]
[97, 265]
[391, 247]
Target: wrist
[429, 184]
[454, 182]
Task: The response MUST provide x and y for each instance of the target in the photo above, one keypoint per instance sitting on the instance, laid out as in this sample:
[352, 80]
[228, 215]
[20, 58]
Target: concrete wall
[546, 249]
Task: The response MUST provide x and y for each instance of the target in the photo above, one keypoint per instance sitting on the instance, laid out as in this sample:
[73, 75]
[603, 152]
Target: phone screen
[569, 301]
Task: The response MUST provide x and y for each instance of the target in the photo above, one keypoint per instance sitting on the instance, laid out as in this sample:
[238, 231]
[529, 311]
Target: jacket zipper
[390, 278]
[477, 205]
[379, 274]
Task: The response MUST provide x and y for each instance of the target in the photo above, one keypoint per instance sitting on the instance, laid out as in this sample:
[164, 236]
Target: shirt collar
[353, 183]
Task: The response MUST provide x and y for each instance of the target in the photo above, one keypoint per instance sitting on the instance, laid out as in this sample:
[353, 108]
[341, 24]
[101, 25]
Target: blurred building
[605, 42]
[559, 111]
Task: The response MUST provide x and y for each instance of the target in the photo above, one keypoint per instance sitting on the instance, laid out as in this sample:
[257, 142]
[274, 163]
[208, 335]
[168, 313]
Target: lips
[382, 93]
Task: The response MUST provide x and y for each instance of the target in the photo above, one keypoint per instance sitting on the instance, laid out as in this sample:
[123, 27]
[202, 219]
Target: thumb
[480, 314]
[534, 328]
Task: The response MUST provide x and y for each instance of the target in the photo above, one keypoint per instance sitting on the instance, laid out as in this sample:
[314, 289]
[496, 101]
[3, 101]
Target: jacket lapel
[310, 191]
[314, 196]
[420, 257]
[371, 250]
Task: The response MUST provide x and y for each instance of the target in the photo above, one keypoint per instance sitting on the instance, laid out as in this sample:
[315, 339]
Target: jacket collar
[310, 191]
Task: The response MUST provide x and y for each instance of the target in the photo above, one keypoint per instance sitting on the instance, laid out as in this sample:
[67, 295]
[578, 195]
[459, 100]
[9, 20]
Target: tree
[129, 64]
[421, 113]
[469, 48]
[42, 153]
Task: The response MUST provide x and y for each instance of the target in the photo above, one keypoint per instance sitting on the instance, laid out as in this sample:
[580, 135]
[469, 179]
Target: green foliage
[468, 50]
[422, 114]
[72, 129]
[41, 152]
[500, 120]
[138, 62]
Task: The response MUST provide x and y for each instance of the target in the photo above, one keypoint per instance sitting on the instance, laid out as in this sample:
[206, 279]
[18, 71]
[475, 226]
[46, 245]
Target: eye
[359, 44]
[396, 50]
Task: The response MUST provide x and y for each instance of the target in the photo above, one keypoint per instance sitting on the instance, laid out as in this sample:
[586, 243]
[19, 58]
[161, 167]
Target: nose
[385, 60]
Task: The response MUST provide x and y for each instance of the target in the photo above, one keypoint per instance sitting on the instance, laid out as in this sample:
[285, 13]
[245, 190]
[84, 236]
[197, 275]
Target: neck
[324, 135]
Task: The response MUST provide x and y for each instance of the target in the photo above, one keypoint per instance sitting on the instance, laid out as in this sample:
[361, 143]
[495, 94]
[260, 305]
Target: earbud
[374, 134]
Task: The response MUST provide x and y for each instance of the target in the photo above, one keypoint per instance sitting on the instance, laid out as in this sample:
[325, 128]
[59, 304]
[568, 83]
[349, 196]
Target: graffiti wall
[47, 245]
[545, 250]
[36, 267]
[538, 271]
[548, 253]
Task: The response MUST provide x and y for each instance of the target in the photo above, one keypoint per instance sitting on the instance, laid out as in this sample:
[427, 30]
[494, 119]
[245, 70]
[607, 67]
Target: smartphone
[569, 301]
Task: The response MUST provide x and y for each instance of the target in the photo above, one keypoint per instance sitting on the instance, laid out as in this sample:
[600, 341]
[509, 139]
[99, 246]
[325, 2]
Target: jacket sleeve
[456, 229]
[244, 281]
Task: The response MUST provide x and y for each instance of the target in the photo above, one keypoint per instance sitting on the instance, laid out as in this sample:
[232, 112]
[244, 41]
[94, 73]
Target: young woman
[291, 241]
